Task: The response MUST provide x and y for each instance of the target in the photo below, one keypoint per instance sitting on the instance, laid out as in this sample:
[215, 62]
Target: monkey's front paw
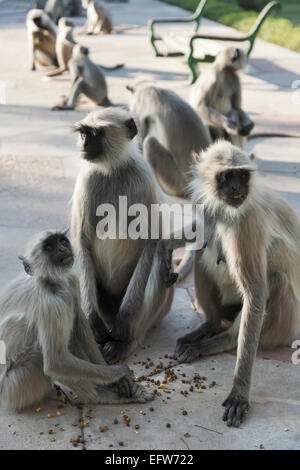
[114, 351]
[236, 407]
[189, 354]
[180, 347]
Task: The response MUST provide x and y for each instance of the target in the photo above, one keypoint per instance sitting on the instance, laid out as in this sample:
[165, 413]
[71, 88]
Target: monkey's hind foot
[236, 408]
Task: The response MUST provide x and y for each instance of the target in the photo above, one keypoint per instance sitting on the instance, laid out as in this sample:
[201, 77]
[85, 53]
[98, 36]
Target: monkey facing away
[122, 292]
[98, 18]
[258, 284]
[87, 79]
[217, 97]
[170, 131]
[41, 32]
[48, 338]
[63, 46]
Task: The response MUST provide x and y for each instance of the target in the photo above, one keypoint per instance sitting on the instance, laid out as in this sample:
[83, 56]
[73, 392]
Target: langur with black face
[47, 336]
[41, 32]
[122, 292]
[217, 96]
[170, 131]
[248, 271]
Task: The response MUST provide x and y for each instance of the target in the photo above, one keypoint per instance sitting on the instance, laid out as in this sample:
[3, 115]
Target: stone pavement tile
[30, 430]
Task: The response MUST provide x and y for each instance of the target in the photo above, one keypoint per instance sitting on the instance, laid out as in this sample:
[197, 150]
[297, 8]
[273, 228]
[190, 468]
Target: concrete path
[38, 164]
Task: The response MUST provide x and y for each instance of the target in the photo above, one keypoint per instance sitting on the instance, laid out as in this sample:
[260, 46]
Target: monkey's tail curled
[185, 265]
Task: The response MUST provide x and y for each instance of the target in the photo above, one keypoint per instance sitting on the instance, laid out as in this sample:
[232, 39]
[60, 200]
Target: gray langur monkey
[217, 97]
[48, 338]
[65, 43]
[170, 131]
[87, 79]
[123, 294]
[257, 286]
[64, 46]
[41, 32]
[98, 18]
[55, 9]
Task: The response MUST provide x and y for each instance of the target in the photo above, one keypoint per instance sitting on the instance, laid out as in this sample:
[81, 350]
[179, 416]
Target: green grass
[282, 28]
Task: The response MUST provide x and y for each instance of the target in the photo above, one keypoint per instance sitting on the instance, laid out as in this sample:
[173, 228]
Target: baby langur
[48, 338]
[119, 272]
[87, 79]
[258, 284]
[41, 32]
[217, 97]
[98, 18]
[170, 131]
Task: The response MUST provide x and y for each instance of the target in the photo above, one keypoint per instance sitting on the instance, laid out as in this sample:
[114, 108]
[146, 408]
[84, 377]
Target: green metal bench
[198, 47]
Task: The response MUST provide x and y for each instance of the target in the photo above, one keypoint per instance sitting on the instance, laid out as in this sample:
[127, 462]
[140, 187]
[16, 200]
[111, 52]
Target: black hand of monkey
[114, 351]
[236, 407]
[165, 265]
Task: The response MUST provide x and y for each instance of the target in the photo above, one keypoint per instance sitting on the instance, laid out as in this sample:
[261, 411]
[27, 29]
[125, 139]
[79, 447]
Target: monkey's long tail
[115, 67]
[185, 265]
[272, 134]
[56, 73]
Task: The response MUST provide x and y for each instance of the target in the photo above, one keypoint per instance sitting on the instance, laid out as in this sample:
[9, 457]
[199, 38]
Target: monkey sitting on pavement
[258, 285]
[47, 336]
[216, 96]
[170, 132]
[98, 18]
[87, 79]
[41, 32]
[122, 290]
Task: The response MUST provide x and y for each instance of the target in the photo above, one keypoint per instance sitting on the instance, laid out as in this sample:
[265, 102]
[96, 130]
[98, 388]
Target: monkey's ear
[252, 156]
[130, 88]
[28, 269]
[131, 128]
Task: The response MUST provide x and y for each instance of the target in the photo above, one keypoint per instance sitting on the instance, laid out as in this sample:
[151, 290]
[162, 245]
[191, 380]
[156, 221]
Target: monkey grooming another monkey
[48, 338]
[258, 284]
[170, 131]
[87, 79]
[41, 32]
[217, 97]
[123, 294]
[98, 18]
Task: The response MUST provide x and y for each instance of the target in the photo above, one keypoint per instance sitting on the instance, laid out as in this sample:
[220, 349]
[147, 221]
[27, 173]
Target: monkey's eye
[245, 175]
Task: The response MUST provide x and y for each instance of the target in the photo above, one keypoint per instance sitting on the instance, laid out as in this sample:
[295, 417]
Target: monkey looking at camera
[258, 283]
[48, 338]
[170, 131]
[98, 18]
[87, 79]
[122, 292]
[217, 97]
[41, 32]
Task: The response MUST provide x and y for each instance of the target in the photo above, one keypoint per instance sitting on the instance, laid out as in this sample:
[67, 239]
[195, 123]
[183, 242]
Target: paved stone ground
[34, 139]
